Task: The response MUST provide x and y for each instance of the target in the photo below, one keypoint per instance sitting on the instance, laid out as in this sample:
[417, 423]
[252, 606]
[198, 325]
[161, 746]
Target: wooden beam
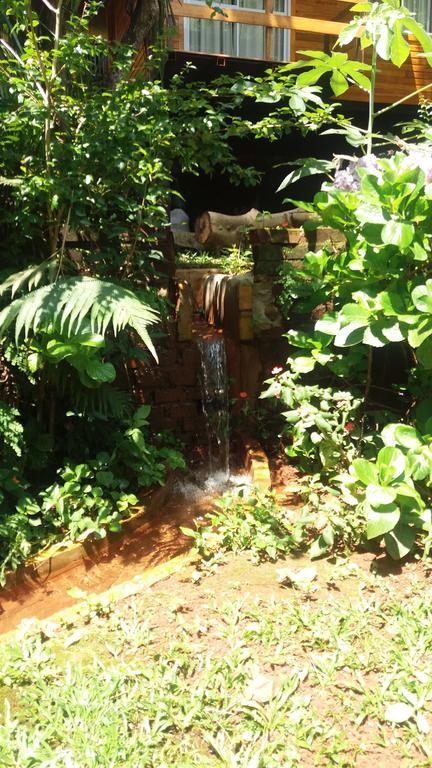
[272, 20]
[268, 8]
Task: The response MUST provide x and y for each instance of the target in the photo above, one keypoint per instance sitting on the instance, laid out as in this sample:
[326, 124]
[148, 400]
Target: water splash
[215, 403]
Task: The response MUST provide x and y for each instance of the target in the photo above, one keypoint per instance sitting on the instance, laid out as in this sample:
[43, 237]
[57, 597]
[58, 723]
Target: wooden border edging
[118, 592]
[257, 464]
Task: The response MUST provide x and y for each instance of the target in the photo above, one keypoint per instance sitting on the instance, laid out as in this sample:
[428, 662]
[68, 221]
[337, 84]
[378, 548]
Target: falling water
[215, 403]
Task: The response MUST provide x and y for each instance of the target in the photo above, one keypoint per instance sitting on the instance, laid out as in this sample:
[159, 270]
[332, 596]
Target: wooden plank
[268, 50]
[263, 19]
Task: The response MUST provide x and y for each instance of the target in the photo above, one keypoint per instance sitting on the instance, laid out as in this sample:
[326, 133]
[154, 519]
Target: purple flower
[347, 180]
[370, 162]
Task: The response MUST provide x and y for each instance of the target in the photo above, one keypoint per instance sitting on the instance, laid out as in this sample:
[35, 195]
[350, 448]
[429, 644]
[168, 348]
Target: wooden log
[218, 230]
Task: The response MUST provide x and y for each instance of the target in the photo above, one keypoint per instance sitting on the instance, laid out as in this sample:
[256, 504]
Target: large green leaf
[381, 521]
[350, 334]
[400, 49]
[104, 373]
[400, 541]
[422, 297]
[377, 495]
[390, 464]
[398, 233]
[365, 471]
[419, 465]
[423, 416]
[384, 42]
[419, 334]
[424, 354]
[401, 434]
[338, 83]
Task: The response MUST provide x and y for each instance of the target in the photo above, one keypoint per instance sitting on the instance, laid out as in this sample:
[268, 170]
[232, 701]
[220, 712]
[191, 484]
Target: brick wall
[172, 388]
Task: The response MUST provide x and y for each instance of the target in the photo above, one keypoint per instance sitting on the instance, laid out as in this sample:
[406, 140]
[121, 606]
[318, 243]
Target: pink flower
[349, 426]
[277, 369]
[243, 395]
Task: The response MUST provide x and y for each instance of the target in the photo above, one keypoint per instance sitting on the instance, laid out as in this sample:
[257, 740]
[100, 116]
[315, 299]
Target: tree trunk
[218, 230]
[145, 22]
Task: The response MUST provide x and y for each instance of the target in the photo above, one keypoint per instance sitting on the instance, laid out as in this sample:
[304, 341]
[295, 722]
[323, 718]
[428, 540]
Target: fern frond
[10, 182]
[105, 402]
[29, 278]
[79, 304]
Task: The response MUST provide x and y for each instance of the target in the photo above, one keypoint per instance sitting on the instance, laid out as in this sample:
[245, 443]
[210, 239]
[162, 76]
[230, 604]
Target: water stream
[215, 403]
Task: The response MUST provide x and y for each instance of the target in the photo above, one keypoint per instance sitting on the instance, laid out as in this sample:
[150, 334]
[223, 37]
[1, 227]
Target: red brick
[172, 395]
[185, 411]
[190, 357]
[182, 376]
[167, 357]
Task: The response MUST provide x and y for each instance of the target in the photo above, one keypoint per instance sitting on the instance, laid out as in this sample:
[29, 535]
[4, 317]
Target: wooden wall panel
[392, 83]
[118, 18]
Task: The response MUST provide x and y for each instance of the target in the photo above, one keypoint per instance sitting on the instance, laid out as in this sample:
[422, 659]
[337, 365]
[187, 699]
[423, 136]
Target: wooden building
[273, 31]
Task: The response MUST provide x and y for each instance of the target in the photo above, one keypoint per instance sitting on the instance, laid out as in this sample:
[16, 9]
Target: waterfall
[215, 403]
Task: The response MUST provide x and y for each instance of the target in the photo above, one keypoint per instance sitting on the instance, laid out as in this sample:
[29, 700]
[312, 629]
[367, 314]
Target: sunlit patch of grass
[239, 682]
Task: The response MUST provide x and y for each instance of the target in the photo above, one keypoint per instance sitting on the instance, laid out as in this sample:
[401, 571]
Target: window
[281, 42]
[248, 41]
[422, 10]
[207, 36]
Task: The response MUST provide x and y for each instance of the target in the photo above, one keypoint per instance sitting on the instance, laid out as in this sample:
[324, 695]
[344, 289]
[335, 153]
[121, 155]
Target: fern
[105, 402]
[76, 304]
[30, 278]
[10, 182]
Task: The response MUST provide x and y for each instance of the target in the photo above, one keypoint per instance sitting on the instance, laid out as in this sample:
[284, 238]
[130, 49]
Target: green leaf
[296, 103]
[423, 416]
[377, 495]
[422, 297]
[391, 303]
[350, 334]
[390, 464]
[140, 417]
[361, 8]
[384, 42]
[401, 434]
[400, 49]
[99, 371]
[399, 712]
[361, 80]
[311, 76]
[373, 336]
[302, 364]
[381, 521]
[419, 465]
[423, 330]
[424, 354]
[338, 83]
[365, 471]
[398, 233]
[308, 166]
[328, 324]
[400, 541]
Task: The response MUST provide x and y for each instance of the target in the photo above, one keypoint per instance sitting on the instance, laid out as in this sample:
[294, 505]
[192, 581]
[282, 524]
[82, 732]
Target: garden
[295, 631]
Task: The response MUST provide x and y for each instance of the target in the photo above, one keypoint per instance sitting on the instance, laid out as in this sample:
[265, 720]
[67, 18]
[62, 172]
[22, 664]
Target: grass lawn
[230, 669]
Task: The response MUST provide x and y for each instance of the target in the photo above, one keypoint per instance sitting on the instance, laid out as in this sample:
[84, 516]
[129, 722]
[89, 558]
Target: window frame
[286, 32]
